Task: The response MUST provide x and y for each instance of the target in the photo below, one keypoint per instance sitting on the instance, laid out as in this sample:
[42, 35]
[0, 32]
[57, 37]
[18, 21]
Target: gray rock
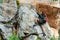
[8, 10]
[48, 30]
[6, 31]
[32, 37]
[26, 16]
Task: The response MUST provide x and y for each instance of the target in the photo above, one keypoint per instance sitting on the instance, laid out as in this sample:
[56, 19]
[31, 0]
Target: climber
[43, 22]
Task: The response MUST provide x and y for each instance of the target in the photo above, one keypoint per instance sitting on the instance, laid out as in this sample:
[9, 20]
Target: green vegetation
[53, 38]
[0, 38]
[18, 4]
[59, 31]
[1, 1]
[14, 37]
[55, 0]
[38, 38]
[59, 38]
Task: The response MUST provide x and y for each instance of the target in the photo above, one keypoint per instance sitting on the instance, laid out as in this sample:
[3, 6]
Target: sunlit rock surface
[7, 31]
[8, 10]
[32, 37]
[27, 16]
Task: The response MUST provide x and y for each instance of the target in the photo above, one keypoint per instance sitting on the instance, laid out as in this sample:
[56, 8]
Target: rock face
[55, 33]
[7, 10]
[34, 1]
[27, 17]
[58, 20]
[6, 31]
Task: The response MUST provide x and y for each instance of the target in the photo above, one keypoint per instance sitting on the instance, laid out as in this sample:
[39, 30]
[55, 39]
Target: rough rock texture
[7, 31]
[27, 17]
[55, 33]
[26, 20]
[32, 37]
[34, 1]
[58, 20]
[7, 10]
